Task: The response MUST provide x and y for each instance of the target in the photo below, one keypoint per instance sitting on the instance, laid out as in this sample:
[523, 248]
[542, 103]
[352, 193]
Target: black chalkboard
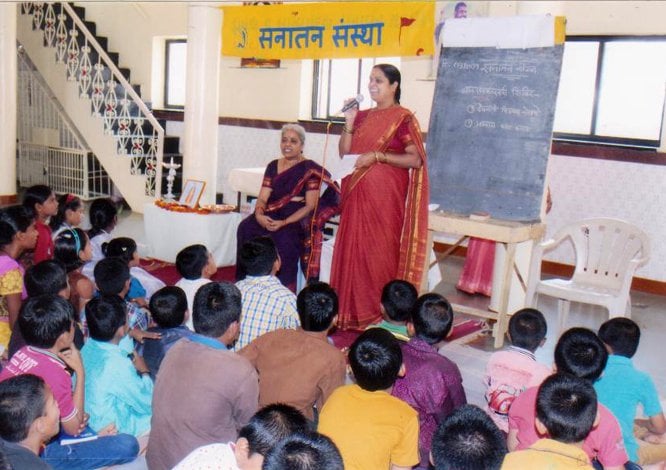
[490, 130]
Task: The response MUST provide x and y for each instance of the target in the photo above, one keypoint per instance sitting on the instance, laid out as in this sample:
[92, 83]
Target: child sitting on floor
[320, 365]
[267, 303]
[304, 451]
[69, 215]
[168, 307]
[29, 418]
[622, 388]
[118, 389]
[566, 411]
[142, 284]
[398, 298]
[196, 266]
[47, 324]
[510, 372]
[268, 427]
[578, 352]
[468, 440]
[47, 277]
[103, 216]
[73, 249]
[124, 248]
[113, 278]
[371, 428]
[433, 384]
[41, 201]
[17, 234]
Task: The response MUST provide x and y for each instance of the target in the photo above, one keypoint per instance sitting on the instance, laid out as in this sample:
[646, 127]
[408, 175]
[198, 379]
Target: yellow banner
[328, 30]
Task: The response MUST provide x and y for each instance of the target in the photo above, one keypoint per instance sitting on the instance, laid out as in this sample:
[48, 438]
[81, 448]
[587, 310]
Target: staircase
[116, 125]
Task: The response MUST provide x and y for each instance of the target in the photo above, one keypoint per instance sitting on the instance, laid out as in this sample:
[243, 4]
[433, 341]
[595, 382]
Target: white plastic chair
[608, 252]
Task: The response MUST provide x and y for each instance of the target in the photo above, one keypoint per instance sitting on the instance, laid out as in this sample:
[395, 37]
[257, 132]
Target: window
[335, 80]
[175, 64]
[612, 90]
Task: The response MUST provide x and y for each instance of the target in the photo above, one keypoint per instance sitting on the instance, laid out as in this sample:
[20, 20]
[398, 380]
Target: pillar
[8, 79]
[202, 89]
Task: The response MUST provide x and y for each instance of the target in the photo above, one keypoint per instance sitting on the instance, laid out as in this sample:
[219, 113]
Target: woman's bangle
[376, 156]
[347, 130]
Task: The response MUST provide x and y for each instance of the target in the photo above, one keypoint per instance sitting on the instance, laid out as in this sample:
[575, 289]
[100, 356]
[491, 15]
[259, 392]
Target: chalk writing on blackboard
[490, 130]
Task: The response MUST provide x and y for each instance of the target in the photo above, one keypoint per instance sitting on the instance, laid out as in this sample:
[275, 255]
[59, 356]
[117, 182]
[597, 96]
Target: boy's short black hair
[567, 407]
[398, 298]
[270, 425]
[216, 306]
[375, 359]
[581, 353]
[105, 314]
[317, 305]
[191, 260]
[527, 328]
[111, 274]
[432, 318]
[22, 401]
[257, 256]
[45, 277]
[304, 451]
[168, 306]
[468, 440]
[622, 335]
[44, 318]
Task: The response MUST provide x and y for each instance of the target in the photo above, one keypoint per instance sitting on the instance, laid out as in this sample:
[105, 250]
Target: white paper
[515, 32]
[344, 167]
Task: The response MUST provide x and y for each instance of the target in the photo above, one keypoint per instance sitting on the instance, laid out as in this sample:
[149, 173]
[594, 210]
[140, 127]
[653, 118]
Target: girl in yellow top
[17, 234]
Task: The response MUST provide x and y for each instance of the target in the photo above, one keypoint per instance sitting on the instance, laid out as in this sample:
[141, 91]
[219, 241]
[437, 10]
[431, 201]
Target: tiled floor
[649, 311]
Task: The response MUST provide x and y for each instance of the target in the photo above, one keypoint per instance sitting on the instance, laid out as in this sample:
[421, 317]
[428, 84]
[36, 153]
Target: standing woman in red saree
[290, 210]
[384, 219]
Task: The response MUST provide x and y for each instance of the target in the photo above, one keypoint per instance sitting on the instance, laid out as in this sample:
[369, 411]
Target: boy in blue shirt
[622, 388]
[118, 386]
[168, 307]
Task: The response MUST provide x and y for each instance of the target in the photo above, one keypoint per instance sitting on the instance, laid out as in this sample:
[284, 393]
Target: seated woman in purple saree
[290, 211]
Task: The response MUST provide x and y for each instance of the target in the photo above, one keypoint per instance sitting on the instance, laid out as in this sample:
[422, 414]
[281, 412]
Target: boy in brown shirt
[300, 367]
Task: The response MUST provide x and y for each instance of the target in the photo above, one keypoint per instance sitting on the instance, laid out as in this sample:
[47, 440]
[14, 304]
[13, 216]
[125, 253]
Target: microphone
[352, 104]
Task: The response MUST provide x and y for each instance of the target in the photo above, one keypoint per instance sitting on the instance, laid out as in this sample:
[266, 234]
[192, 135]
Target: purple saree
[301, 239]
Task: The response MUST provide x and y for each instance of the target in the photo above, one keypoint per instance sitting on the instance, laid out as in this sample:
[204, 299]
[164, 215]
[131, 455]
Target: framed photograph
[254, 63]
[451, 10]
[192, 191]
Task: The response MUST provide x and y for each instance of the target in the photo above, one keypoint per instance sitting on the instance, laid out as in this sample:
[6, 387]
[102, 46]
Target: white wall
[131, 27]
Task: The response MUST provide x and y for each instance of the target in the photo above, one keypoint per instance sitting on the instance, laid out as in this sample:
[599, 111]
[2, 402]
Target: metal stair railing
[137, 133]
[50, 149]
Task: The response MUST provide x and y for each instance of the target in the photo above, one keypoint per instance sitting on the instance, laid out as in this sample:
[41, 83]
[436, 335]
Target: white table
[168, 232]
[247, 180]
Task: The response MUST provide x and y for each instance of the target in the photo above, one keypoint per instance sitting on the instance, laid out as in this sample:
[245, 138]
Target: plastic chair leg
[563, 313]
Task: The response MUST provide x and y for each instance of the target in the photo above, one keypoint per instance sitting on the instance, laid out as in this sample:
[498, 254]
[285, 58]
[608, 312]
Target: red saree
[384, 219]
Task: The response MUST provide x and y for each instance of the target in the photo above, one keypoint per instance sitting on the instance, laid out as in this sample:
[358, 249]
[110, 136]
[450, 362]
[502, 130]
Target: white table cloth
[168, 232]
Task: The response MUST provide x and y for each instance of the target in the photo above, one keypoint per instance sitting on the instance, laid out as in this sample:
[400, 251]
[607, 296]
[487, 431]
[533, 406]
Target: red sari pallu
[384, 218]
